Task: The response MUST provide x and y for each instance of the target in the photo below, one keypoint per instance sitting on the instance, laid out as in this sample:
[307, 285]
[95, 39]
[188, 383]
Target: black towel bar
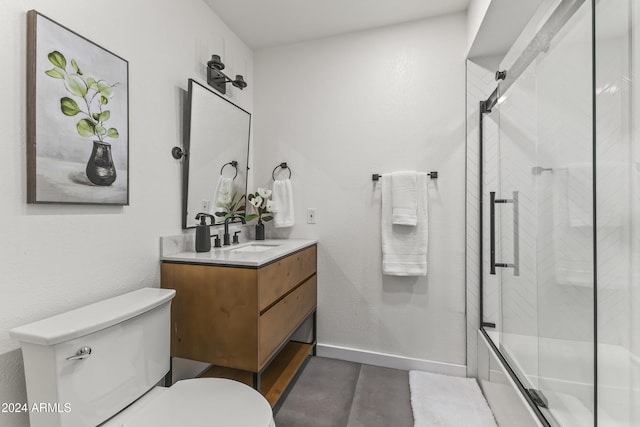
[376, 176]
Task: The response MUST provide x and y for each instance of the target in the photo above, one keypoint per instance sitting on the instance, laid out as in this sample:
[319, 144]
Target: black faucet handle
[216, 241]
[235, 236]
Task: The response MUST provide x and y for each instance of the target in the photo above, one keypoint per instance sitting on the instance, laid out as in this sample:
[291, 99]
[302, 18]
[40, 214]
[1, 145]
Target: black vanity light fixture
[218, 80]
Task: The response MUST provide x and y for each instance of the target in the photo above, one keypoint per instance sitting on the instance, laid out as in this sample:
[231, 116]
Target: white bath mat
[444, 401]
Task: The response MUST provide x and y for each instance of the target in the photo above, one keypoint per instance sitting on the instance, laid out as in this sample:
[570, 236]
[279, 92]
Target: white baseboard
[386, 360]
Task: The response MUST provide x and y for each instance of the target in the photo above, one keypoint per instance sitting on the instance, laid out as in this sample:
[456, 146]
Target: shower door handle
[492, 229]
[516, 239]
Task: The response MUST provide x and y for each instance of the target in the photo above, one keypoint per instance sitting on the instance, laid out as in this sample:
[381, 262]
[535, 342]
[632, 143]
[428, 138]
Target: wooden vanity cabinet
[240, 319]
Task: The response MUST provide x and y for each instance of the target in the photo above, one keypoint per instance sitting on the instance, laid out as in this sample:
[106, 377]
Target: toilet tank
[129, 340]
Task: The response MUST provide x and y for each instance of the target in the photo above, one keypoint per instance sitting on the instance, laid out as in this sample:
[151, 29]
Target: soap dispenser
[203, 232]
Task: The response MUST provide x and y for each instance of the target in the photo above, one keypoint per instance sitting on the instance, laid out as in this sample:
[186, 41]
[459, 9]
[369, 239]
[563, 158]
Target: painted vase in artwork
[100, 169]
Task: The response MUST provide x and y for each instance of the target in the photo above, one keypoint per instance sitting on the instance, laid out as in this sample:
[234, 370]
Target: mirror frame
[187, 149]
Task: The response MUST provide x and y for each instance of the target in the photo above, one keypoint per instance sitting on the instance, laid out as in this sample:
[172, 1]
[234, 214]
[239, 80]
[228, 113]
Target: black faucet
[226, 227]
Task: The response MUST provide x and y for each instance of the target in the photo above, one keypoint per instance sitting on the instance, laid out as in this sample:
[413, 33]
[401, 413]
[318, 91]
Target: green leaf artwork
[69, 107]
[93, 94]
[56, 73]
[57, 59]
[74, 64]
[86, 128]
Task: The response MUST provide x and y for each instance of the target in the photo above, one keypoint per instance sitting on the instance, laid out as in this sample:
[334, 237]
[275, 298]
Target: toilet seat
[198, 402]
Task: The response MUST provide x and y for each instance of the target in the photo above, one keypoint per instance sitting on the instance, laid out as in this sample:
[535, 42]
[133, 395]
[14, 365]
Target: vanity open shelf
[277, 376]
[240, 319]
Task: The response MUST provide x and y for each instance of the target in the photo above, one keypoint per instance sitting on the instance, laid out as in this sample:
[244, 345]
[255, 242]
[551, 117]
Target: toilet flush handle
[81, 354]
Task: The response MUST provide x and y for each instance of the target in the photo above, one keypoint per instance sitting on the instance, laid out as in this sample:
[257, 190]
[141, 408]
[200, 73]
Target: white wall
[494, 25]
[475, 15]
[339, 109]
[58, 257]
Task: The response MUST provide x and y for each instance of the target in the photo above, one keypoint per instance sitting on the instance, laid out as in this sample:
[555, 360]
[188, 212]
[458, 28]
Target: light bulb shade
[215, 62]
[239, 82]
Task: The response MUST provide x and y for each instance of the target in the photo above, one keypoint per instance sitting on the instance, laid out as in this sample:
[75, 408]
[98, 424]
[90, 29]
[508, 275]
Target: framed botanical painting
[77, 118]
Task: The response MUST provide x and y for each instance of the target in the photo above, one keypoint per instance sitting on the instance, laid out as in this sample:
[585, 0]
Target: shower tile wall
[634, 288]
[517, 147]
[613, 179]
[618, 219]
[564, 142]
[565, 282]
[480, 84]
[490, 175]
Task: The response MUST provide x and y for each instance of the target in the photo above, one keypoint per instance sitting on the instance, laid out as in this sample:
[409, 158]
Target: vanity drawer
[300, 303]
[278, 278]
[303, 266]
[272, 331]
[284, 317]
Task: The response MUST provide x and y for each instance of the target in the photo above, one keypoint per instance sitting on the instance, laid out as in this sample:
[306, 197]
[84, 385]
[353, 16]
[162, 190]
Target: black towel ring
[232, 163]
[282, 165]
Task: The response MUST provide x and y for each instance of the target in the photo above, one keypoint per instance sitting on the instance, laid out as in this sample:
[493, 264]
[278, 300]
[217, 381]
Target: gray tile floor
[335, 393]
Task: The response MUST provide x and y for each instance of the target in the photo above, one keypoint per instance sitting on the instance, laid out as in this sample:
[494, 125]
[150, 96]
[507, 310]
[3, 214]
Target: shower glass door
[538, 181]
[516, 205]
[565, 282]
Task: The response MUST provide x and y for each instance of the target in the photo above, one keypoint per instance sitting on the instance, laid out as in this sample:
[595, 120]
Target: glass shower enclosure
[560, 217]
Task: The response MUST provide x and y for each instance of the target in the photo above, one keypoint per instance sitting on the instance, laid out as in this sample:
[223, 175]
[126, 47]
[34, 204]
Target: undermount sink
[254, 247]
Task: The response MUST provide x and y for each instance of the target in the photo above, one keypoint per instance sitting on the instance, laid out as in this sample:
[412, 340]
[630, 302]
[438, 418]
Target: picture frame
[77, 118]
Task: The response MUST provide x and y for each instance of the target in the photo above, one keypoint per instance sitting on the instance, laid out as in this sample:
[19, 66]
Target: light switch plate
[311, 215]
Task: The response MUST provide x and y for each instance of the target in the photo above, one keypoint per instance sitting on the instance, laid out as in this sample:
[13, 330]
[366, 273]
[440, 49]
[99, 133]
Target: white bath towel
[283, 198]
[404, 196]
[222, 194]
[404, 249]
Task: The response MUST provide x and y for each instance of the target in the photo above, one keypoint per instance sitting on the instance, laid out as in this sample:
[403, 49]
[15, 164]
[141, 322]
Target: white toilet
[85, 366]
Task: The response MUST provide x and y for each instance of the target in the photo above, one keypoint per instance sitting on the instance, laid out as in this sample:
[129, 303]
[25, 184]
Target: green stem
[87, 102]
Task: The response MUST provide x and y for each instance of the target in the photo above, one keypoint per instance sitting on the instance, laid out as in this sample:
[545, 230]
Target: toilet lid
[204, 402]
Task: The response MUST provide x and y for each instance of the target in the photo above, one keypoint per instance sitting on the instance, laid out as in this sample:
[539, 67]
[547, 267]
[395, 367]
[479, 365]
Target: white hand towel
[404, 249]
[580, 195]
[222, 194]
[283, 197]
[404, 197]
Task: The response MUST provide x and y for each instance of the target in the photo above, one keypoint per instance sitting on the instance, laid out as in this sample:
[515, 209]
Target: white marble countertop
[241, 254]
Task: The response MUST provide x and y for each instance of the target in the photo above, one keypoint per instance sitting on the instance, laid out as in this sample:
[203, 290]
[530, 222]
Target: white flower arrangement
[230, 204]
[264, 207]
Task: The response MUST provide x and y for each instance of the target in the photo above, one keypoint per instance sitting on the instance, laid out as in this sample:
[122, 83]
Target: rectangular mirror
[217, 147]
